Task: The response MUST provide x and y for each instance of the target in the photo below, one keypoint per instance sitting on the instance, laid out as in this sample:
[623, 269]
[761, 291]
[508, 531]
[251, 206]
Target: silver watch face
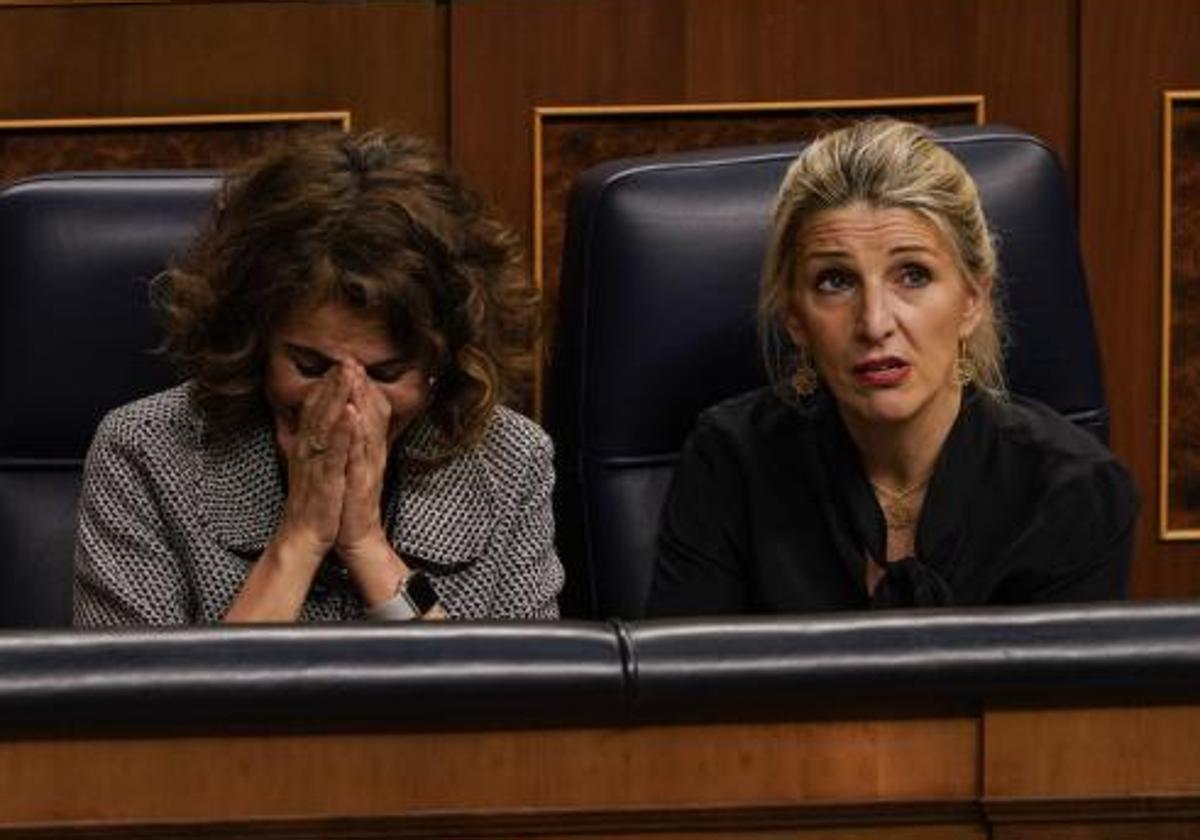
[420, 592]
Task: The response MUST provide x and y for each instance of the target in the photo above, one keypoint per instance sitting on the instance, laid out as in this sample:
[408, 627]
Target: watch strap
[414, 597]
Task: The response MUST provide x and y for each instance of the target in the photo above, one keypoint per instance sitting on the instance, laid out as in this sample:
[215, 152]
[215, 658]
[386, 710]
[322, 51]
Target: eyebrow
[913, 248]
[827, 253]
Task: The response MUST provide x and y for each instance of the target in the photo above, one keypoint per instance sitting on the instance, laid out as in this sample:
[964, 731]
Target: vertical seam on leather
[629, 666]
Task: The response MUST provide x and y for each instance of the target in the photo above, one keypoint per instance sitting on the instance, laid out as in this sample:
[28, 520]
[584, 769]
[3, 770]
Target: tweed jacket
[172, 517]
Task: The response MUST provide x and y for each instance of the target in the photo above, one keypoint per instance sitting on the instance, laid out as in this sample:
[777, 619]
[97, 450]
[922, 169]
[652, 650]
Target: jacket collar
[242, 487]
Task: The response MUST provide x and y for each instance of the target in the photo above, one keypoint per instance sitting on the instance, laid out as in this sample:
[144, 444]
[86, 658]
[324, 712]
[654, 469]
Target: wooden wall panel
[1159, 830]
[1130, 53]
[1115, 772]
[383, 62]
[1055, 771]
[33, 147]
[508, 58]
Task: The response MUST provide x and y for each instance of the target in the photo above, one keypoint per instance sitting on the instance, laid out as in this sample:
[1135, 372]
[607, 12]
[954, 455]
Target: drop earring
[804, 377]
[964, 368]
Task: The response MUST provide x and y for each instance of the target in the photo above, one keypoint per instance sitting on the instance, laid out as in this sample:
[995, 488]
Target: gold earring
[804, 377]
[964, 368]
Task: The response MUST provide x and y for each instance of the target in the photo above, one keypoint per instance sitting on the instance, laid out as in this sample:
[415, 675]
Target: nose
[876, 320]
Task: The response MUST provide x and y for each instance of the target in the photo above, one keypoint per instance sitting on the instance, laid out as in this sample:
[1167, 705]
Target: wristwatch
[420, 591]
[414, 597]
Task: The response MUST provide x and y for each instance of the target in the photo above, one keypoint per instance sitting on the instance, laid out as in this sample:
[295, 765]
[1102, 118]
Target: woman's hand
[336, 459]
[366, 461]
[317, 454]
[362, 542]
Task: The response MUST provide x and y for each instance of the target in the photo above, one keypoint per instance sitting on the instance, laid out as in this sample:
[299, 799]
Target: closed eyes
[390, 371]
[312, 364]
[308, 363]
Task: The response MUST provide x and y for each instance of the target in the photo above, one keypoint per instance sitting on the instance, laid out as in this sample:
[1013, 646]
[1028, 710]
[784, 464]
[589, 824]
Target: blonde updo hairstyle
[884, 164]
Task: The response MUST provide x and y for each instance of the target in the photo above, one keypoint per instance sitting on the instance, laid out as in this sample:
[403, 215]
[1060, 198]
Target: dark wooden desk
[1036, 724]
[1118, 773]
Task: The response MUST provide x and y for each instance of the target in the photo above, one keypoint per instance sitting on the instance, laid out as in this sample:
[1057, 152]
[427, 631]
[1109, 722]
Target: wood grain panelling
[383, 62]
[28, 148]
[1055, 772]
[853, 772]
[1043, 753]
[1093, 773]
[1126, 830]
[1130, 53]
[492, 826]
[1179, 500]
[498, 827]
[508, 58]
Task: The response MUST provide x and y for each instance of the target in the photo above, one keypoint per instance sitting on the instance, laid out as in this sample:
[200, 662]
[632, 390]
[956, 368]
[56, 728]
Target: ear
[978, 304]
[795, 329]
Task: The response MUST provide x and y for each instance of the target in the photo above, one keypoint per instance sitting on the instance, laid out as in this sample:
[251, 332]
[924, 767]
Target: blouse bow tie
[910, 583]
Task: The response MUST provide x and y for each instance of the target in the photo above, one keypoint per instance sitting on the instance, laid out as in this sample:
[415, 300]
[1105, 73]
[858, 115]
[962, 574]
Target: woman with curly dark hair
[350, 322]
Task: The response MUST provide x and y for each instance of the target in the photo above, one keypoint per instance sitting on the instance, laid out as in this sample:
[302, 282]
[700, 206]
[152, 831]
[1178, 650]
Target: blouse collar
[958, 474]
[856, 522]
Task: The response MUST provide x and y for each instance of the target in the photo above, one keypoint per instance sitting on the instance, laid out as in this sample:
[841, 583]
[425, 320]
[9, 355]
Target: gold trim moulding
[976, 99]
[17, 4]
[1165, 532]
[342, 117]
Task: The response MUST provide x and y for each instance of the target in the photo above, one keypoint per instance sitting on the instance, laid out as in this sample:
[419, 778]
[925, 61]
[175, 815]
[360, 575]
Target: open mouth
[887, 370]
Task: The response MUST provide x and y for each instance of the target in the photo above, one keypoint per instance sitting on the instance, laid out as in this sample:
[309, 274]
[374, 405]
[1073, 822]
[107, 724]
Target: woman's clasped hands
[336, 455]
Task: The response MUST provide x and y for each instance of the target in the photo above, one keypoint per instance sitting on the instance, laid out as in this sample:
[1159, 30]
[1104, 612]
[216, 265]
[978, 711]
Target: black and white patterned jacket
[170, 521]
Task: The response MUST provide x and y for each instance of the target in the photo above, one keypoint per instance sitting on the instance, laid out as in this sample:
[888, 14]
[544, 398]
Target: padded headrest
[661, 274]
[77, 334]
[77, 338]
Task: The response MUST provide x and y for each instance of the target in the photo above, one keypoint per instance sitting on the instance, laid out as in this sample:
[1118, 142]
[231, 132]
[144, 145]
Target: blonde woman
[886, 465]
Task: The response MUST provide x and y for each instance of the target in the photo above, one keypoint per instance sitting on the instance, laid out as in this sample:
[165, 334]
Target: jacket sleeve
[701, 560]
[125, 571]
[530, 574]
[1080, 546]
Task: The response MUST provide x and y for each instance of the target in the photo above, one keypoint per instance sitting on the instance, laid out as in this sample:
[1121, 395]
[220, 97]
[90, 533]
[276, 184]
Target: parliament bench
[1016, 722]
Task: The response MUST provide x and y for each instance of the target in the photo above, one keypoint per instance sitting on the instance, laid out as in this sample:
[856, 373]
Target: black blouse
[770, 511]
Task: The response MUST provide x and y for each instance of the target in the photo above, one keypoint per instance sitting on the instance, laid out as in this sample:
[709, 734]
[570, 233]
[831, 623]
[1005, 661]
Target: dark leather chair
[77, 338]
[657, 321]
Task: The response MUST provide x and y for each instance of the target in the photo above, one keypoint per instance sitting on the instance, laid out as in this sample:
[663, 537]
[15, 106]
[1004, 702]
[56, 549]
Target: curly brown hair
[373, 221]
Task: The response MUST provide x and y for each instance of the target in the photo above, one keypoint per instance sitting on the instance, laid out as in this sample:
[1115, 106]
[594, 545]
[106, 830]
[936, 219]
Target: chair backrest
[77, 338]
[657, 321]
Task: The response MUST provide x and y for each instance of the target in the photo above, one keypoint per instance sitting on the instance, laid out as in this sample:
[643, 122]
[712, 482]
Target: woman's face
[880, 304]
[314, 340]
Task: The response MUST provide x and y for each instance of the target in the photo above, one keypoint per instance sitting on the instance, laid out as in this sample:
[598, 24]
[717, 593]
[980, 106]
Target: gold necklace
[897, 513]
